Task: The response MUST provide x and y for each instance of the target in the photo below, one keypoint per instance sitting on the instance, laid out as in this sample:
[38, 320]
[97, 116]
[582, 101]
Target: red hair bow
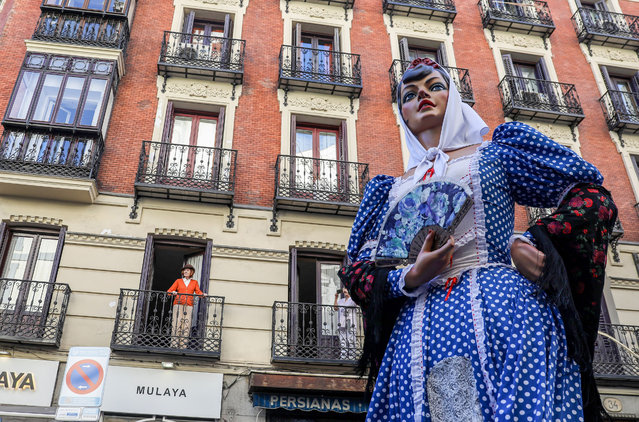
[425, 60]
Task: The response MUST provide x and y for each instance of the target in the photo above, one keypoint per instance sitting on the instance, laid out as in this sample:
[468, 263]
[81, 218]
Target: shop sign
[308, 403]
[27, 381]
[162, 392]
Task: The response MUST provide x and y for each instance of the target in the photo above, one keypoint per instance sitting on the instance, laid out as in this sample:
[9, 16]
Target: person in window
[462, 335]
[347, 324]
[183, 289]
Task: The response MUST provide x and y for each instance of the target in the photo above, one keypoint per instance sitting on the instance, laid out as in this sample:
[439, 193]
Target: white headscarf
[456, 133]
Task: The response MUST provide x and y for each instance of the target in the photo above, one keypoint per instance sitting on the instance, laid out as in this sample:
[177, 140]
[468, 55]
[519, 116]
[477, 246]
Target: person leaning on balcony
[347, 324]
[183, 289]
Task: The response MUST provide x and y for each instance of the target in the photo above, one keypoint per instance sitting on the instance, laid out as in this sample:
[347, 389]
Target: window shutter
[168, 123]
[293, 131]
[206, 266]
[509, 66]
[58, 254]
[601, 5]
[4, 239]
[606, 76]
[442, 58]
[343, 142]
[634, 83]
[297, 35]
[404, 55]
[189, 18]
[293, 286]
[541, 70]
[219, 129]
[228, 26]
[337, 46]
[147, 264]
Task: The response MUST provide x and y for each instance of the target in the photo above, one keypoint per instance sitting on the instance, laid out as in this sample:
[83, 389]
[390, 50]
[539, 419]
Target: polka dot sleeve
[539, 170]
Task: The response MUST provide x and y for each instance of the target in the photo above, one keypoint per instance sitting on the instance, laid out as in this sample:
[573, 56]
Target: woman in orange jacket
[183, 290]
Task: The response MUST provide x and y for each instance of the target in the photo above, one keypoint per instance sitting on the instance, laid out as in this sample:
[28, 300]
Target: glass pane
[44, 259]
[303, 143]
[17, 257]
[414, 53]
[328, 145]
[53, 2]
[58, 150]
[95, 4]
[93, 103]
[178, 164]
[204, 157]
[24, 94]
[90, 31]
[75, 3]
[70, 100]
[330, 283]
[116, 6]
[48, 97]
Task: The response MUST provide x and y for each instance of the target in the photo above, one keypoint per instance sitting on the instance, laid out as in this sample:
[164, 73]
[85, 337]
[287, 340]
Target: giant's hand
[527, 259]
[429, 262]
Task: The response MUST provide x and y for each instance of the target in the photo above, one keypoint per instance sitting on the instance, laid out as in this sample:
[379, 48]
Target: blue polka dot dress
[494, 349]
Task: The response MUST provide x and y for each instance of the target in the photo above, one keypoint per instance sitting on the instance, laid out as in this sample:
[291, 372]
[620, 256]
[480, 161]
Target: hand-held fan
[434, 205]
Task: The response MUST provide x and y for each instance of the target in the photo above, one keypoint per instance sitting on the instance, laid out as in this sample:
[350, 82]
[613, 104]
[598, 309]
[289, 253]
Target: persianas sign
[317, 403]
[27, 381]
[163, 392]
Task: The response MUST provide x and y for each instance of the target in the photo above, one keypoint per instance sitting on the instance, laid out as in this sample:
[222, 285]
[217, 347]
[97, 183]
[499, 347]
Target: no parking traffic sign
[84, 377]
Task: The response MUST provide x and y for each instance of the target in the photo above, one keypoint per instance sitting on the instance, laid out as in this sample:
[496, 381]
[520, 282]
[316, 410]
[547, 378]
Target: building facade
[237, 136]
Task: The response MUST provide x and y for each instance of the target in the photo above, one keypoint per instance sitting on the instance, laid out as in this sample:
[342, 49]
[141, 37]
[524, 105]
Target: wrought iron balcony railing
[32, 311]
[308, 332]
[439, 10]
[318, 185]
[460, 77]
[83, 30]
[621, 110]
[542, 100]
[311, 69]
[103, 7]
[201, 56]
[617, 352]
[49, 154]
[527, 16]
[161, 322]
[600, 27]
[186, 172]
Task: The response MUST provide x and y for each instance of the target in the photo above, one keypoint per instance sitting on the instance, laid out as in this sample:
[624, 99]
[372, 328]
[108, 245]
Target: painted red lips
[425, 102]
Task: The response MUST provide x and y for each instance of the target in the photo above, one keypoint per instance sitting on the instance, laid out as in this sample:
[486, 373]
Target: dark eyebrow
[411, 85]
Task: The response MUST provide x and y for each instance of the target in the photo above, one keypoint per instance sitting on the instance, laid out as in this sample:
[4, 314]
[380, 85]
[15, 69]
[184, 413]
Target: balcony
[598, 27]
[149, 321]
[533, 214]
[621, 111]
[203, 57]
[186, 172]
[319, 185]
[540, 100]
[617, 352]
[525, 16]
[48, 154]
[308, 332]
[32, 311]
[116, 8]
[437, 10]
[460, 77]
[73, 28]
[315, 70]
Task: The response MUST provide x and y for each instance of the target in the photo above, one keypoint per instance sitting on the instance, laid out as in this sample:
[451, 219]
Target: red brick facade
[256, 133]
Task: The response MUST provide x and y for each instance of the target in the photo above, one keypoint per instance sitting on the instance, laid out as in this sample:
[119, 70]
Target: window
[635, 163]
[528, 84]
[113, 6]
[314, 281]
[200, 24]
[318, 50]
[191, 145]
[62, 91]
[320, 153]
[409, 50]
[209, 36]
[29, 260]
[623, 88]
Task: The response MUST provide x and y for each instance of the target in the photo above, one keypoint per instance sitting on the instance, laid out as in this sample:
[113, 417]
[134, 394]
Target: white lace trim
[417, 357]
[480, 336]
[520, 237]
[480, 216]
[402, 285]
